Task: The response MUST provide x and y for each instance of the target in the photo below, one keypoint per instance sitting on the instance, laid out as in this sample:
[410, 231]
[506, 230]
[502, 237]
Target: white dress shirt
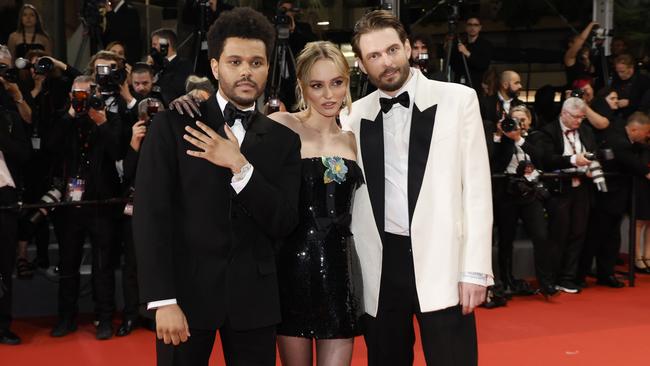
[237, 185]
[518, 156]
[505, 102]
[397, 132]
[571, 142]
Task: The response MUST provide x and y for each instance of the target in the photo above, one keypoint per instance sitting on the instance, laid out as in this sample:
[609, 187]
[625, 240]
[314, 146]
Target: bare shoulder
[284, 118]
[351, 142]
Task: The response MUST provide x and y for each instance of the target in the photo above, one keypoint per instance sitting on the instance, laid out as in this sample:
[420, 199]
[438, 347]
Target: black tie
[231, 114]
[387, 103]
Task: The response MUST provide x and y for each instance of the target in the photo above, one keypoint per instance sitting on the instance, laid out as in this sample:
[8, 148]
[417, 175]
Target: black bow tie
[387, 103]
[231, 114]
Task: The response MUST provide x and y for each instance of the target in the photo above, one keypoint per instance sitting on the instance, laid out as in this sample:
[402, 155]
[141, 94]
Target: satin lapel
[255, 133]
[419, 143]
[372, 153]
[211, 115]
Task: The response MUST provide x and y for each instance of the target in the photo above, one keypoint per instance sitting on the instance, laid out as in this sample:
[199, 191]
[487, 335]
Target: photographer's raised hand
[216, 149]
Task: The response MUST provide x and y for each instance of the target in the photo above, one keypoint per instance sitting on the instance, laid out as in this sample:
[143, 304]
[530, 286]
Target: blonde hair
[313, 52]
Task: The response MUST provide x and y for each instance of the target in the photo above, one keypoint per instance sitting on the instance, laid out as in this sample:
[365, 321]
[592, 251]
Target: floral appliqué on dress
[336, 169]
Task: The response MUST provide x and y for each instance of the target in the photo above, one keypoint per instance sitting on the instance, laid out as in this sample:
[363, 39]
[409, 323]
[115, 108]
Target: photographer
[14, 152]
[147, 108]
[520, 196]
[582, 89]
[51, 80]
[423, 56]
[565, 143]
[86, 147]
[122, 25]
[604, 233]
[171, 70]
[578, 61]
[630, 85]
[300, 33]
[495, 107]
[11, 96]
[476, 50]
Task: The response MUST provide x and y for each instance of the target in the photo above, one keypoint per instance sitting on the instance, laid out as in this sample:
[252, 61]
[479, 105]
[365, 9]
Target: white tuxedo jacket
[449, 191]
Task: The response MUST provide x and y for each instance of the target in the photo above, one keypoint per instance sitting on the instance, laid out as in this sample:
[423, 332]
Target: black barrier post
[632, 236]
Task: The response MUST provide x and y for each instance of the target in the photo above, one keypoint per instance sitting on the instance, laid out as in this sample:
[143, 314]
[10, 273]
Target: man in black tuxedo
[14, 152]
[565, 143]
[123, 25]
[171, 70]
[207, 223]
[604, 234]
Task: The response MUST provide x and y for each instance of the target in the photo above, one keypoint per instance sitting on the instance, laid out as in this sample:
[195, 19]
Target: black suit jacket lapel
[212, 116]
[372, 152]
[419, 143]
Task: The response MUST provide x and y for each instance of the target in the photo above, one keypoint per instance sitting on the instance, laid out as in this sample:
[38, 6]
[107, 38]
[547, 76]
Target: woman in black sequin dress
[316, 264]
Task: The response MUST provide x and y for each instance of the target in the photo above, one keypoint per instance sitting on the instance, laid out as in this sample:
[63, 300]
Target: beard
[404, 71]
[243, 100]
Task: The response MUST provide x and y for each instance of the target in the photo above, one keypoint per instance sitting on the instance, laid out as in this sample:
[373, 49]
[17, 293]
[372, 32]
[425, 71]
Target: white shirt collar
[564, 127]
[222, 101]
[118, 6]
[407, 87]
[503, 99]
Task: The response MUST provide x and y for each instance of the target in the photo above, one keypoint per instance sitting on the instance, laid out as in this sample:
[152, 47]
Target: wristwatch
[242, 172]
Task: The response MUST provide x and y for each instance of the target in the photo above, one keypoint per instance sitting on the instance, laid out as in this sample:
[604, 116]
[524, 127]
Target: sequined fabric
[317, 265]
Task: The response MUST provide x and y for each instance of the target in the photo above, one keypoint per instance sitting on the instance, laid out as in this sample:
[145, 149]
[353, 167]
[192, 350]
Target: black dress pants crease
[448, 337]
[254, 347]
[568, 218]
[129, 274]
[8, 245]
[603, 241]
[98, 224]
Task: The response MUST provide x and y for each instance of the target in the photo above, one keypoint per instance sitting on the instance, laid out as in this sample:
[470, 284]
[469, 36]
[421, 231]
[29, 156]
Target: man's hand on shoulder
[171, 325]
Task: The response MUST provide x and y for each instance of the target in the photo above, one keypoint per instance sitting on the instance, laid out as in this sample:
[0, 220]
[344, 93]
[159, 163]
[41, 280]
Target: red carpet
[601, 326]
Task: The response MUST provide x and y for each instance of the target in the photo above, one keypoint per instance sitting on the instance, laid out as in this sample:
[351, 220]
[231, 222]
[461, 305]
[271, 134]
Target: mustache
[247, 81]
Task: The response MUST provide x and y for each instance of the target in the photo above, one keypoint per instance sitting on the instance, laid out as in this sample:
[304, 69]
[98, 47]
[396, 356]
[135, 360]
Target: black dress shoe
[64, 327]
[9, 338]
[548, 291]
[610, 281]
[126, 328]
[104, 330]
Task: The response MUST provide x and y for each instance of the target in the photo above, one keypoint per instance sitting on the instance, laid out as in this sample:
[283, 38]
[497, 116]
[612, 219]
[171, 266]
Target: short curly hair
[241, 23]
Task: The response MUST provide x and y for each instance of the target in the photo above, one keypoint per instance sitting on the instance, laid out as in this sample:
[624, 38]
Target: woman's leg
[334, 352]
[295, 351]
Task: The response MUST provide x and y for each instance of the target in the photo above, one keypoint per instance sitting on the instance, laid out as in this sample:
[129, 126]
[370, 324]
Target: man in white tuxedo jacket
[423, 222]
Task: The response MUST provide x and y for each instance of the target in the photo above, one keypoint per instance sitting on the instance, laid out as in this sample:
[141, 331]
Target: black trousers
[448, 337]
[99, 224]
[603, 241]
[8, 245]
[255, 347]
[129, 274]
[568, 218]
[508, 209]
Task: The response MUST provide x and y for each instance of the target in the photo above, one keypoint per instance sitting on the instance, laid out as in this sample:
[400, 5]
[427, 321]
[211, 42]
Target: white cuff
[496, 138]
[480, 279]
[573, 160]
[161, 303]
[239, 184]
[131, 104]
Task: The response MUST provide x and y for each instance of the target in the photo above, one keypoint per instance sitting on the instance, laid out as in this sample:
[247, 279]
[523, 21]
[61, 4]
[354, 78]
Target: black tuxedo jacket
[171, 79]
[124, 26]
[14, 144]
[492, 107]
[201, 243]
[552, 141]
[504, 150]
[627, 163]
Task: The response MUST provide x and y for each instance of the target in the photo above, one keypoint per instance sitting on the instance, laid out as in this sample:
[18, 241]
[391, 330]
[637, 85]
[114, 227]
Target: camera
[526, 182]
[42, 67]
[159, 57]
[577, 93]
[423, 62]
[510, 124]
[82, 100]
[53, 195]
[282, 23]
[109, 78]
[148, 107]
[596, 169]
[8, 73]
[600, 34]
